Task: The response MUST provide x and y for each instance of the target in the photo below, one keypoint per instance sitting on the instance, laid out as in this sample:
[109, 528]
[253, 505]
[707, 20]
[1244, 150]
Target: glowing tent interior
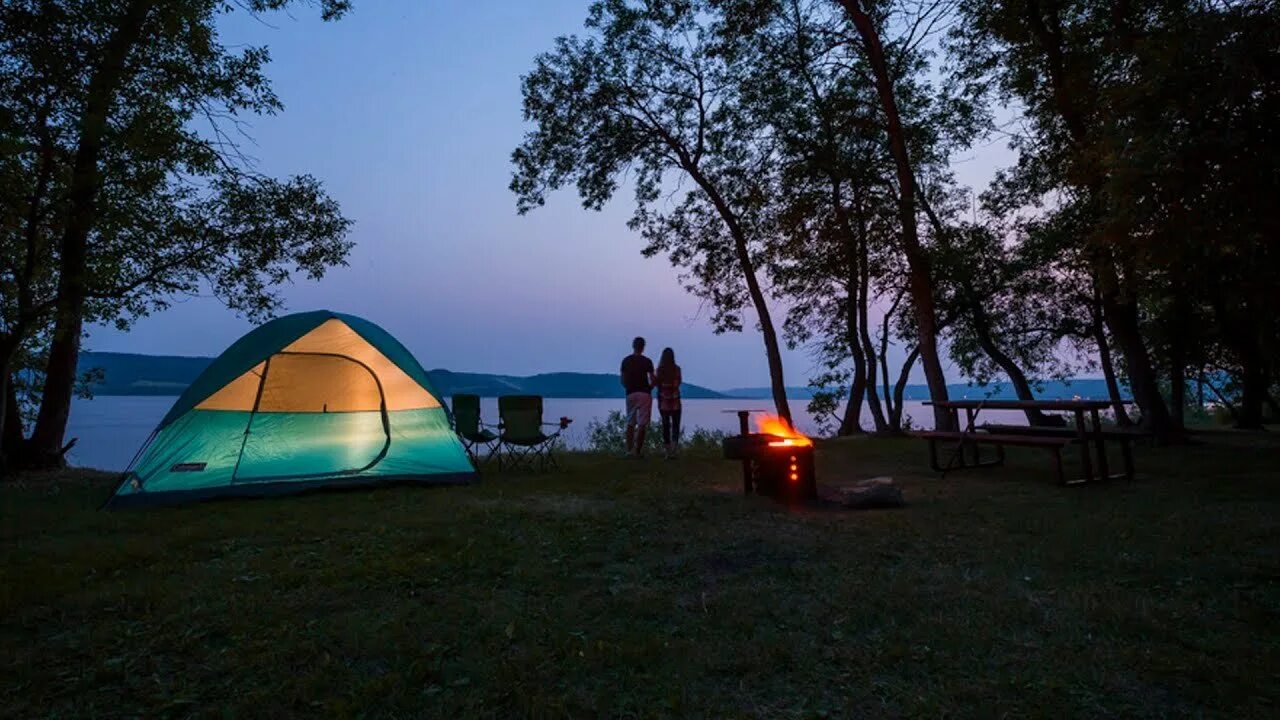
[306, 400]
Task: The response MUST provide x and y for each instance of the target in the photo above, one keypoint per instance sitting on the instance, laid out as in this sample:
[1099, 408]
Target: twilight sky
[408, 112]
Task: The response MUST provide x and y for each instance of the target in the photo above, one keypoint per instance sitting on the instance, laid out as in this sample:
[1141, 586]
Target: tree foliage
[1146, 125]
[125, 185]
[651, 97]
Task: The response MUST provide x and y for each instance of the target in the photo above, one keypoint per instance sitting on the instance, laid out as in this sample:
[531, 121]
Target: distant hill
[1051, 390]
[552, 385]
[131, 374]
[764, 393]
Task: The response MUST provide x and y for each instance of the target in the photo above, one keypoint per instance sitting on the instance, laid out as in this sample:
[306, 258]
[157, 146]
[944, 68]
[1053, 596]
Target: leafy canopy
[180, 209]
[650, 97]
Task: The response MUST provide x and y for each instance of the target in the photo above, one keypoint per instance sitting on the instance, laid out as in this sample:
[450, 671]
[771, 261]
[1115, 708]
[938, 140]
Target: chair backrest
[466, 414]
[521, 415]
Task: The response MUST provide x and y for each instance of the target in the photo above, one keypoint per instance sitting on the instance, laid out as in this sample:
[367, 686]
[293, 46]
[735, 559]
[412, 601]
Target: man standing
[637, 381]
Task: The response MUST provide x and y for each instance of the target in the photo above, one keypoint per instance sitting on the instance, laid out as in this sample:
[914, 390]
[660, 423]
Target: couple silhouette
[639, 379]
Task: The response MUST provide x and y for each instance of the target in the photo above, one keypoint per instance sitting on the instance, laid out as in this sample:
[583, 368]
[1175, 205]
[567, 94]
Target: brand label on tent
[188, 467]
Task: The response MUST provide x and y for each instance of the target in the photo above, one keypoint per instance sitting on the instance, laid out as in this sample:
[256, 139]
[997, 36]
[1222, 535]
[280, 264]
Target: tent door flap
[316, 415]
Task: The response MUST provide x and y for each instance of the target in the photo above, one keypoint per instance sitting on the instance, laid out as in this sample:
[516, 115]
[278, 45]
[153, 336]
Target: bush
[703, 441]
[1221, 414]
[608, 435]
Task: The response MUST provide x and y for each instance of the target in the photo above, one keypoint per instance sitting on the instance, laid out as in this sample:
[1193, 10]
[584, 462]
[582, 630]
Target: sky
[408, 112]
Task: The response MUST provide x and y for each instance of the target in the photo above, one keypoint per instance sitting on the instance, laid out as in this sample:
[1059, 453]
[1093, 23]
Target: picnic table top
[991, 404]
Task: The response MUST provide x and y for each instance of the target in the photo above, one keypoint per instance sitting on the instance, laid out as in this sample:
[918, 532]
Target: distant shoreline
[136, 375]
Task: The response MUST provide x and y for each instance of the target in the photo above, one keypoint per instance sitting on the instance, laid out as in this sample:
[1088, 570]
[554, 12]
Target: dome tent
[307, 400]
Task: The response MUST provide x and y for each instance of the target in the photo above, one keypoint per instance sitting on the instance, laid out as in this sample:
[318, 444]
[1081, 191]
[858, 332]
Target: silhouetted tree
[839, 236]
[124, 185]
[870, 26]
[649, 95]
[1147, 123]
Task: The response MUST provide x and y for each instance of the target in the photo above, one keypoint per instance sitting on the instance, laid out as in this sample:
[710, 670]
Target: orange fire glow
[774, 425]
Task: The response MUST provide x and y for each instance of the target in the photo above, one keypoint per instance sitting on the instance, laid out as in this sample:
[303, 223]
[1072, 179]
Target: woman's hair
[667, 366]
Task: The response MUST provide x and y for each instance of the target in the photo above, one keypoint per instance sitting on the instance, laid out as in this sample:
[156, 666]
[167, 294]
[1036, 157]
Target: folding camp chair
[474, 434]
[522, 441]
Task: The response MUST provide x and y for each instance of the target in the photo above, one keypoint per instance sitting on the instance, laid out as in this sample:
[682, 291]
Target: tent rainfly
[307, 400]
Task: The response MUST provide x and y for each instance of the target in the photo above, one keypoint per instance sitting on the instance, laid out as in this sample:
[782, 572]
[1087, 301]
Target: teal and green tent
[308, 400]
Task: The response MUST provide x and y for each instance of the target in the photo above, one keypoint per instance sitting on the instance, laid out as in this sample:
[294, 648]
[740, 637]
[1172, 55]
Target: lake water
[112, 428]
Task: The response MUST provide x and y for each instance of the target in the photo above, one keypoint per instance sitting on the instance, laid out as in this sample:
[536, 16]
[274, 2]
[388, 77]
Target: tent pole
[257, 402]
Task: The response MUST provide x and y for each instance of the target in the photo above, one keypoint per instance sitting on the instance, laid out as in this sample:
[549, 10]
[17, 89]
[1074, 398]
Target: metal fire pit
[773, 465]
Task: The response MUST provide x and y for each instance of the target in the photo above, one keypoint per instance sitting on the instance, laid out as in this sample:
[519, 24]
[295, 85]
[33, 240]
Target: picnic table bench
[972, 440]
[1090, 438]
[1129, 434]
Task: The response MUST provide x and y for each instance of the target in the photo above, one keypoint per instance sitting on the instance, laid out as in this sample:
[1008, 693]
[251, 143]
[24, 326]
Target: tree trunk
[1122, 321]
[1021, 386]
[772, 352]
[1225, 402]
[852, 422]
[1253, 392]
[1120, 313]
[900, 387]
[1177, 394]
[981, 322]
[1178, 365]
[10, 423]
[742, 252]
[868, 350]
[1099, 330]
[873, 382]
[45, 447]
[894, 411]
[920, 274]
[27, 315]
[1239, 336]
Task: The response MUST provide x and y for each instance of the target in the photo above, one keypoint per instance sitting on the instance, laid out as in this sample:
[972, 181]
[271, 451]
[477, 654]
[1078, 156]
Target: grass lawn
[627, 589]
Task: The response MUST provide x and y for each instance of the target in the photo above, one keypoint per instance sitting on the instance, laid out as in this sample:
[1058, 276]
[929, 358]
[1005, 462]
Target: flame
[775, 425]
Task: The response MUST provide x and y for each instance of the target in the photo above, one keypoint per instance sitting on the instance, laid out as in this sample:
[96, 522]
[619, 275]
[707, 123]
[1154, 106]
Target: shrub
[608, 435]
[703, 441]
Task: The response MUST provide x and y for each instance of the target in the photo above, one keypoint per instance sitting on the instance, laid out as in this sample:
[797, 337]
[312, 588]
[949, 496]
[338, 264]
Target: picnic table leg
[933, 456]
[1100, 442]
[969, 416]
[1083, 437]
[1126, 452]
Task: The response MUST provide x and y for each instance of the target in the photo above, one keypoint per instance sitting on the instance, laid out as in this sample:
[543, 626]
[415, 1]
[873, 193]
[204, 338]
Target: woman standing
[669, 379]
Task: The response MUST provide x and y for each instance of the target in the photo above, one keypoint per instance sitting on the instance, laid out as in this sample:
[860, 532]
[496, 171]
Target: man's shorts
[639, 408]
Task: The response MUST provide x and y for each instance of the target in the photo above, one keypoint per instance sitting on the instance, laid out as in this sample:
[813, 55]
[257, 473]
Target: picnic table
[1091, 437]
